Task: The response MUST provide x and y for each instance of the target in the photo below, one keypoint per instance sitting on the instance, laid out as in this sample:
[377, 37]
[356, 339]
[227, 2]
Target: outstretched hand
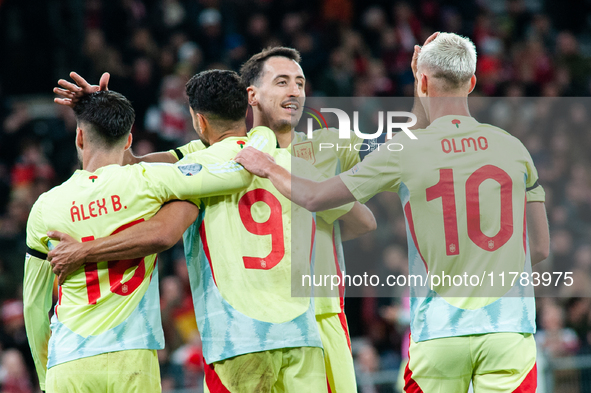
[70, 92]
[255, 161]
[415, 55]
[66, 257]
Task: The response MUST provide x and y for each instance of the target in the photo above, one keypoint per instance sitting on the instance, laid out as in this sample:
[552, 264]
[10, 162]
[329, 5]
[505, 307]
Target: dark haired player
[106, 327]
[256, 336]
[276, 93]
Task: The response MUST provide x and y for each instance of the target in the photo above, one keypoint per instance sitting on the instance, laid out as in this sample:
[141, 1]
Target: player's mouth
[291, 106]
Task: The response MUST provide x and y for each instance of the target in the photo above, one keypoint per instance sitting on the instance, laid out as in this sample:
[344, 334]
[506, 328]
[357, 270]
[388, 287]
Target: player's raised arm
[171, 156]
[311, 195]
[417, 108]
[155, 235]
[70, 92]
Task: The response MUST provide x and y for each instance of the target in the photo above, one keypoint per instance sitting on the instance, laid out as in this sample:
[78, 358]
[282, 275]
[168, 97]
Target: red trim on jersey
[92, 283]
[343, 320]
[410, 385]
[530, 383]
[206, 249]
[328, 384]
[525, 226]
[411, 227]
[212, 379]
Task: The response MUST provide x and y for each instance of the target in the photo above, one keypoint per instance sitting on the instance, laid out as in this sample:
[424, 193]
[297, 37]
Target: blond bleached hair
[451, 58]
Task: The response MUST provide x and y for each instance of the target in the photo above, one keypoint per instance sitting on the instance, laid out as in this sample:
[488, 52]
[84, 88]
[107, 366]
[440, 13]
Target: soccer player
[106, 326]
[240, 255]
[276, 93]
[471, 209]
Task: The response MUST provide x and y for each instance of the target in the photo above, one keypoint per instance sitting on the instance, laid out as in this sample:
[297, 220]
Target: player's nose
[294, 90]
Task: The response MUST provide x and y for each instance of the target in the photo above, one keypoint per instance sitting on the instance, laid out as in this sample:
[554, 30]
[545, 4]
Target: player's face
[281, 93]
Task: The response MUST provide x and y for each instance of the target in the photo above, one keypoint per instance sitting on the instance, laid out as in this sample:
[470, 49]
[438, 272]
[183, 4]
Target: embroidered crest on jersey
[190, 169]
[305, 150]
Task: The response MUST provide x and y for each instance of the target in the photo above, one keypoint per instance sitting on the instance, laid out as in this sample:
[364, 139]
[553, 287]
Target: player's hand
[70, 92]
[415, 55]
[255, 161]
[66, 257]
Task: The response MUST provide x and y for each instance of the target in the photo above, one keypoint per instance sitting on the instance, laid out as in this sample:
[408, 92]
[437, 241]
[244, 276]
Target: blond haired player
[471, 209]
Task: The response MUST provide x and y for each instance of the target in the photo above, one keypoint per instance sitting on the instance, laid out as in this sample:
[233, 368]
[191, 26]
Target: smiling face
[279, 95]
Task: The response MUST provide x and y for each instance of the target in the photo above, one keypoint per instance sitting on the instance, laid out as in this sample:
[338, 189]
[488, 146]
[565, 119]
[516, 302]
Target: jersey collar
[453, 122]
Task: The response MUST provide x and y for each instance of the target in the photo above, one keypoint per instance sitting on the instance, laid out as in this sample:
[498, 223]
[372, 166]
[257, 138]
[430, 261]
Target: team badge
[190, 169]
[305, 150]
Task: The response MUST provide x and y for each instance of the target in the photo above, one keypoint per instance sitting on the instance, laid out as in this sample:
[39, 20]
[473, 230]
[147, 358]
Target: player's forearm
[158, 234]
[359, 221]
[37, 289]
[297, 189]
[123, 246]
[538, 232]
[311, 195]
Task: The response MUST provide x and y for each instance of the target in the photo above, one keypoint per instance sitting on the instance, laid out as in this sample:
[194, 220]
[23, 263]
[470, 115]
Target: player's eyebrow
[288, 76]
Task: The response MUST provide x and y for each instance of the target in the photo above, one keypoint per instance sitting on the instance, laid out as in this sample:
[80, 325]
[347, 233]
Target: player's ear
[202, 122]
[423, 85]
[472, 83]
[252, 95]
[129, 140]
[79, 138]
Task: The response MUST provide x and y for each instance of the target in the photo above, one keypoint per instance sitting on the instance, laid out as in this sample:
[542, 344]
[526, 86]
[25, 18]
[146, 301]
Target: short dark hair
[219, 94]
[109, 114]
[252, 70]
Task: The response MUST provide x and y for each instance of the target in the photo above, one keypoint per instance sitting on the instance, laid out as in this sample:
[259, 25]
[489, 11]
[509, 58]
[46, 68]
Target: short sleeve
[379, 171]
[185, 150]
[209, 172]
[533, 189]
[37, 232]
[192, 179]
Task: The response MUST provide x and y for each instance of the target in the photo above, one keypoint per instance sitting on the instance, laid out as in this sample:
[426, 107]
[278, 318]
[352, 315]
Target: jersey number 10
[116, 271]
[444, 189]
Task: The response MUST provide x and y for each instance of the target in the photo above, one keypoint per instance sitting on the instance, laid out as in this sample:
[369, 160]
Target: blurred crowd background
[530, 48]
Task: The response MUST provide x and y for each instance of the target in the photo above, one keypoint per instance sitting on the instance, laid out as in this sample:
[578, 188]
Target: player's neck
[93, 160]
[217, 136]
[440, 106]
[284, 138]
